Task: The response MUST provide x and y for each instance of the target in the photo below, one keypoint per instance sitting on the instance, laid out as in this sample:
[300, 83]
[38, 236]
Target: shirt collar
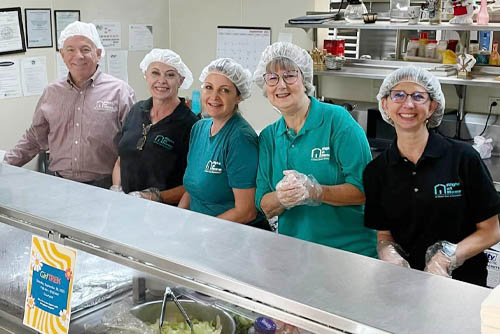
[177, 114]
[436, 147]
[314, 119]
[91, 80]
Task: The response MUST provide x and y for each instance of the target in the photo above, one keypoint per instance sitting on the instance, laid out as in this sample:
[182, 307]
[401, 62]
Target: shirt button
[76, 142]
[81, 93]
[413, 173]
[79, 108]
[77, 124]
[415, 190]
[405, 160]
[293, 145]
[75, 159]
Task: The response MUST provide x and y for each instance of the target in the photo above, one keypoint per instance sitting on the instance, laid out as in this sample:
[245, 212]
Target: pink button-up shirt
[78, 126]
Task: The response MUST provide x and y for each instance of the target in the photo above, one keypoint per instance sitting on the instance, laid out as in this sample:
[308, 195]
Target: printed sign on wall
[48, 298]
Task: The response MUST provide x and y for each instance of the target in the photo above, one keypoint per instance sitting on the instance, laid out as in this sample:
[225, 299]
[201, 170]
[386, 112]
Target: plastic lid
[424, 35]
[414, 39]
[264, 325]
[432, 41]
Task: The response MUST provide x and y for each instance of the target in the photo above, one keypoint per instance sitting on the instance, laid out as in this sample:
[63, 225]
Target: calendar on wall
[243, 44]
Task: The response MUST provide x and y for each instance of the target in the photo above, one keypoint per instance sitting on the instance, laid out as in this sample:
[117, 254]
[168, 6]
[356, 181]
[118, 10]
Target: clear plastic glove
[389, 251]
[298, 189]
[153, 194]
[441, 259]
[117, 188]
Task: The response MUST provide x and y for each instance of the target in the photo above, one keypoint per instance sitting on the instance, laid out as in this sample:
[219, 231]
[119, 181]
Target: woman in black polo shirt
[431, 199]
[155, 136]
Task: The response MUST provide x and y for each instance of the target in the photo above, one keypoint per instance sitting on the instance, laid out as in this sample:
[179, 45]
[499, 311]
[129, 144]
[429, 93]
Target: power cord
[457, 135]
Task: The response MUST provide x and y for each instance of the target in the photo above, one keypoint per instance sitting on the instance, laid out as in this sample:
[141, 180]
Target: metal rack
[483, 76]
[321, 289]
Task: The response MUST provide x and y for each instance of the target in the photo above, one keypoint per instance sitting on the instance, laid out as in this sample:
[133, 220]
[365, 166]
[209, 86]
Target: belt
[103, 182]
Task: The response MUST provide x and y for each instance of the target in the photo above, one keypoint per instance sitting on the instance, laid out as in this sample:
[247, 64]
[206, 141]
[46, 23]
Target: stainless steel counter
[272, 274]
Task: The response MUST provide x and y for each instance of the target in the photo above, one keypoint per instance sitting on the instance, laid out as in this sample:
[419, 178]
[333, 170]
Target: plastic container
[399, 10]
[430, 49]
[452, 45]
[483, 18]
[422, 42]
[263, 325]
[440, 48]
[412, 49]
[195, 104]
[474, 48]
[434, 11]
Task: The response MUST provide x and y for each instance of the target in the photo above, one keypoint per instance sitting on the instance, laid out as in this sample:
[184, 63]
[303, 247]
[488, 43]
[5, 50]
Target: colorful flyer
[48, 298]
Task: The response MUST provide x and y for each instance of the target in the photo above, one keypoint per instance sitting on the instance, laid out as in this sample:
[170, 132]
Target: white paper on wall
[61, 69]
[110, 34]
[140, 37]
[10, 79]
[117, 64]
[243, 44]
[34, 75]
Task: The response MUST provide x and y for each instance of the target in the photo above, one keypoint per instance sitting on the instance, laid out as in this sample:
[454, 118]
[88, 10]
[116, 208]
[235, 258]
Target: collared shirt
[442, 197]
[78, 125]
[333, 148]
[219, 163]
[162, 161]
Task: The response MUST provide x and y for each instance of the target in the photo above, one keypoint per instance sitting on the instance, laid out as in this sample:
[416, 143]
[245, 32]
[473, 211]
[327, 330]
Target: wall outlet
[495, 109]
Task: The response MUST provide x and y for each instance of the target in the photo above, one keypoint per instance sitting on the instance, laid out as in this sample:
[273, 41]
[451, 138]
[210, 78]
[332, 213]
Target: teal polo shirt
[332, 147]
[217, 164]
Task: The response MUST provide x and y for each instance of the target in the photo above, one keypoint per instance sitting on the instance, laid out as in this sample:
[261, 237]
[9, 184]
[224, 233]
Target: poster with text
[50, 285]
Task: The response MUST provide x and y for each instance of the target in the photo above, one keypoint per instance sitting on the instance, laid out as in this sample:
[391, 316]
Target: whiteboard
[243, 44]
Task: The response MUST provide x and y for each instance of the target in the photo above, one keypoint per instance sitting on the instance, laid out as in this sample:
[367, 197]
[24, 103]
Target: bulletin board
[243, 44]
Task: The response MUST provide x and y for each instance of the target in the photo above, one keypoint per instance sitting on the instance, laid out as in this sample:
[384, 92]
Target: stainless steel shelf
[386, 25]
[378, 71]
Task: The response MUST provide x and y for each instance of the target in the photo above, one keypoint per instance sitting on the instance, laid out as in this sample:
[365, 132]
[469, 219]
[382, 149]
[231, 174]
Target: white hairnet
[239, 76]
[421, 77]
[170, 58]
[286, 50]
[78, 28]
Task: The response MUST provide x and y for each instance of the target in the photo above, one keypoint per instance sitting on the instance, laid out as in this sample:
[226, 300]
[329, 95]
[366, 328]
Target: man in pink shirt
[79, 117]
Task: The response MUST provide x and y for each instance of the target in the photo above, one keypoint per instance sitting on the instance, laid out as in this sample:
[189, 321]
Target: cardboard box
[493, 267]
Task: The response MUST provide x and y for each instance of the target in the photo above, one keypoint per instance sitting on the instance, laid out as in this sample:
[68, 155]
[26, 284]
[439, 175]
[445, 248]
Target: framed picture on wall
[62, 19]
[38, 27]
[11, 31]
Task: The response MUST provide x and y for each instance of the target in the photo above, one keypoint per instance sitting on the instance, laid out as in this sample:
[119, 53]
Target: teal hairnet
[421, 77]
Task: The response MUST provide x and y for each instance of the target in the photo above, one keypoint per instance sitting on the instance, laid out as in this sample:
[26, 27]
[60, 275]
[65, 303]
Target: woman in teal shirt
[312, 159]
[223, 149]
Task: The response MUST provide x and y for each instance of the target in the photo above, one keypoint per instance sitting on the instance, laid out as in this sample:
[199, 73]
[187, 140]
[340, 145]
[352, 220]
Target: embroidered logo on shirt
[105, 105]
[447, 190]
[213, 167]
[318, 154]
[164, 142]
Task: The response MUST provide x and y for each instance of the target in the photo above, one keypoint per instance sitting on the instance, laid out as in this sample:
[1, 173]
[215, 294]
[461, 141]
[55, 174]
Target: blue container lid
[195, 102]
[264, 325]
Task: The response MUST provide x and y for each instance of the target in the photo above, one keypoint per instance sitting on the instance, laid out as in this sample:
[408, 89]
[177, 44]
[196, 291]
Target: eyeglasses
[142, 140]
[289, 77]
[399, 96]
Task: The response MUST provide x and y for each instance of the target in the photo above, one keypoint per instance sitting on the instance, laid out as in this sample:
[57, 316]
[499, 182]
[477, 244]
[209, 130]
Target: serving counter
[317, 288]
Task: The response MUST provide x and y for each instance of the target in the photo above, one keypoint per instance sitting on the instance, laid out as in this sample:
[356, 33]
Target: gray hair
[286, 64]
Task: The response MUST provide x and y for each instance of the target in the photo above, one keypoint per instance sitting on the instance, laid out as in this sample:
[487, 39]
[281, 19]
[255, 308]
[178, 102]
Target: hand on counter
[389, 251]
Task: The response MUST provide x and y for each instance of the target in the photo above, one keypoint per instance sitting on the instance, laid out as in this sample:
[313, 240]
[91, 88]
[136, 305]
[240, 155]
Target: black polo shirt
[442, 197]
[162, 161]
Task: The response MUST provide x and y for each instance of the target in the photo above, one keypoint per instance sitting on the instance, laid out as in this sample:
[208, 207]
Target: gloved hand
[389, 251]
[298, 189]
[153, 194]
[116, 187]
[441, 259]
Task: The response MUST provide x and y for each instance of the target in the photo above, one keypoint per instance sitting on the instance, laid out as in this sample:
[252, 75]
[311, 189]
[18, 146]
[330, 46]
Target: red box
[334, 46]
